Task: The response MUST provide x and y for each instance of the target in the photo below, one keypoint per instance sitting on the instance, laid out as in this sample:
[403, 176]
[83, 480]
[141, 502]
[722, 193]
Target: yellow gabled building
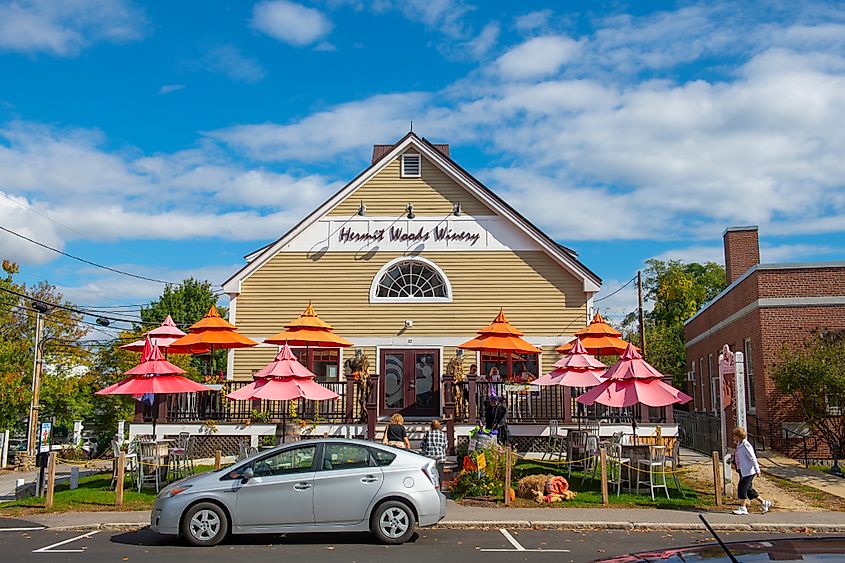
[407, 261]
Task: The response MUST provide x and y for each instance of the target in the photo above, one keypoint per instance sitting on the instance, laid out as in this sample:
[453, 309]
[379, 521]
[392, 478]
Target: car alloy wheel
[204, 524]
[393, 522]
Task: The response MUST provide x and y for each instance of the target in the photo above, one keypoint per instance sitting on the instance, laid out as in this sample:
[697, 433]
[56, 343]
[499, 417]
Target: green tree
[814, 375]
[676, 290]
[61, 353]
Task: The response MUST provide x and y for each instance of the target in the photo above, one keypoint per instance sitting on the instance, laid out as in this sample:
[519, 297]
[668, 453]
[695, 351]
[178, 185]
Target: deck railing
[526, 405]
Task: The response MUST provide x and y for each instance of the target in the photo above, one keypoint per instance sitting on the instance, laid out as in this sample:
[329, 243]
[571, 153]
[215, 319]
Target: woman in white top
[747, 466]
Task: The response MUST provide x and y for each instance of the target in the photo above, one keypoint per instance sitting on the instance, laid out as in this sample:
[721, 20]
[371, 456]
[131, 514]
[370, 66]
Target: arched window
[408, 280]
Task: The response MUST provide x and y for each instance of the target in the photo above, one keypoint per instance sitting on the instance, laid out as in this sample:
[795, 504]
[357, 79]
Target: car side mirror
[247, 474]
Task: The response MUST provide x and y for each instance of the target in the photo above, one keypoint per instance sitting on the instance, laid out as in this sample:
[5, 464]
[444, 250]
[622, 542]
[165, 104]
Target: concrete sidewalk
[458, 516]
[787, 468]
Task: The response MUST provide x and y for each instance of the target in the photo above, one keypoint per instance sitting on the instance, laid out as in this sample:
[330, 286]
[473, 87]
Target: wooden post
[605, 500]
[372, 406]
[449, 411]
[717, 478]
[507, 487]
[51, 480]
[118, 486]
[567, 404]
[640, 313]
[350, 401]
[217, 461]
[472, 390]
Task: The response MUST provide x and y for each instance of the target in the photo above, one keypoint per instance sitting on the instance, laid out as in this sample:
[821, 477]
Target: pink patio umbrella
[284, 379]
[164, 336]
[630, 381]
[154, 375]
[577, 368]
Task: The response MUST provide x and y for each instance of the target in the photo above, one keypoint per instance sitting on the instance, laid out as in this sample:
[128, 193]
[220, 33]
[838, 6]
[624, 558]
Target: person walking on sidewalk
[434, 445]
[747, 466]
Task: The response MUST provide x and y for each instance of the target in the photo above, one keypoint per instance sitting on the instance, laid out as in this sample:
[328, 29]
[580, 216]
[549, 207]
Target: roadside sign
[45, 436]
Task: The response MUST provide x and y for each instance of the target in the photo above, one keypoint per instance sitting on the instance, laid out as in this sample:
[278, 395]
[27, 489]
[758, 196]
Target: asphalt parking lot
[22, 540]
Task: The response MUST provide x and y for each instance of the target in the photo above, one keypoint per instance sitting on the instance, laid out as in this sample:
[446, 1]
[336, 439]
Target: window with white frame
[749, 375]
[408, 280]
[411, 165]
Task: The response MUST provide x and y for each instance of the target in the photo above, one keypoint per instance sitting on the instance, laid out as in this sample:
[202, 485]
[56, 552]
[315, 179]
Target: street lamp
[32, 427]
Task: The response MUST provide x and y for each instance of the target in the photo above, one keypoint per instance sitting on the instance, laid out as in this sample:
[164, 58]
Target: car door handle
[302, 486]
[369, 479]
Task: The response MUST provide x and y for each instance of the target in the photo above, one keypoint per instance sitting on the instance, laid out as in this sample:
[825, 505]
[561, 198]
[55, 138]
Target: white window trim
[374, 285]
[404, 174]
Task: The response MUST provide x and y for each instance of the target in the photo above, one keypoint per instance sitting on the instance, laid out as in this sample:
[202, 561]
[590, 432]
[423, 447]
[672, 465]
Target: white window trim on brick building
[750, 391]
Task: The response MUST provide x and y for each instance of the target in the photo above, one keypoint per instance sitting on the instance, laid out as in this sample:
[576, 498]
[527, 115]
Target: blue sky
[171, 138]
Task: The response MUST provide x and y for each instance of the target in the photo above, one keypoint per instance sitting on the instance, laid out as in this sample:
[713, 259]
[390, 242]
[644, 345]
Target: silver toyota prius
[325, 485]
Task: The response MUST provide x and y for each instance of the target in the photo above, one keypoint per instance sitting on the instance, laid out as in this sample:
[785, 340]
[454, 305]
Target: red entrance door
[411, 382]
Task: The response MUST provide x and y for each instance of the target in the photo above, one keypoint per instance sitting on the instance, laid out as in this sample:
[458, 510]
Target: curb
[99, 526]
[638, 526]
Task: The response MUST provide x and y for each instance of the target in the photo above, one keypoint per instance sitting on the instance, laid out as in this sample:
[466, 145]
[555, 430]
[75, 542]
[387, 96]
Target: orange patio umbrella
[598, 338]
[500, 336]
[308, 330]
[214, 332]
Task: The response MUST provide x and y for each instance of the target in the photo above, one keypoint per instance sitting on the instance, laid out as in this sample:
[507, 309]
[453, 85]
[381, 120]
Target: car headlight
[173, 491]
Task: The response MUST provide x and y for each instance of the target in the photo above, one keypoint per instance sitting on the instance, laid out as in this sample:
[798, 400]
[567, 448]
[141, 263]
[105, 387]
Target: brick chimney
[742, 251]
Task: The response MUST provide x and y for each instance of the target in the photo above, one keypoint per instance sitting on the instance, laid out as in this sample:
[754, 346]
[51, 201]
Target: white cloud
[482, 43]
[344, 128]
[66, 27]
[104, 288]
[532, 20]
[228, 60]
[614, 302]
[67, 176]
[169, 88]
[537, 57]
[289, 22]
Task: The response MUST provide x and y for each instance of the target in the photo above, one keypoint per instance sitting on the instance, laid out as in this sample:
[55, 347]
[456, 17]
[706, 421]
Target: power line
[617, 291]
[83, 260]
[33, 210]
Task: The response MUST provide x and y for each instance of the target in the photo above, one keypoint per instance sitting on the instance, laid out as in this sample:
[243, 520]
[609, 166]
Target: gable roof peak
[380, 150]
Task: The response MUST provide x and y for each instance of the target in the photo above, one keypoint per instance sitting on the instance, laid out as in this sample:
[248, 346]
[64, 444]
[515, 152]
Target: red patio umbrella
[154, 375]
[630, 381]
[576, 369]
[284, 379]
[164, 336]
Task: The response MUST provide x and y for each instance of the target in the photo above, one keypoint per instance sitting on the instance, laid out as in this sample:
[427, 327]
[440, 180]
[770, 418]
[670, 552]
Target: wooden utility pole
[118, 484]
[51, 480]
[32, 426]
[640, 312]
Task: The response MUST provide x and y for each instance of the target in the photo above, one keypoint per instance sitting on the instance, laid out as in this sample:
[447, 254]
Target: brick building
[764, 307]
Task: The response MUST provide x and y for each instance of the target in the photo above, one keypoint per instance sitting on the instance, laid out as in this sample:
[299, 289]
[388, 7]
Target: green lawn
[93, 495]
[589, 494]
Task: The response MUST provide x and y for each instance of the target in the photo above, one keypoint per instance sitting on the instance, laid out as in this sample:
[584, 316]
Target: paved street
[428, 546]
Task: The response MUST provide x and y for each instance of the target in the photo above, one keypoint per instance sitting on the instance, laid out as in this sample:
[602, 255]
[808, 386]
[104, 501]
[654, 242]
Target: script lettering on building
[398, 234]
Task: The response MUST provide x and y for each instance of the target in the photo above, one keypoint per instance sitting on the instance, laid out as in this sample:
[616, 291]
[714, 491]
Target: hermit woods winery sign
[400, 234]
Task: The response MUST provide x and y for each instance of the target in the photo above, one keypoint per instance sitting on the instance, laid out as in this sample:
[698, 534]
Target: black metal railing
[699, 431]
[213, 405]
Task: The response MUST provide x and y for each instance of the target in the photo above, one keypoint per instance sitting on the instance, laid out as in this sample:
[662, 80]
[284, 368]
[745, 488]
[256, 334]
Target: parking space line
[49, 548]
[519, 548]
[22, 529]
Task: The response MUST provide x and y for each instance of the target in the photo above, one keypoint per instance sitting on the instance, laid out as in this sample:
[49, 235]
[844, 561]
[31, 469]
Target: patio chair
[652, 471]
[128, 468]
[593, 426]
[591, 453]
[576, 446]
[148, 465]
[177, 458]
[673, 462]
[615, 461]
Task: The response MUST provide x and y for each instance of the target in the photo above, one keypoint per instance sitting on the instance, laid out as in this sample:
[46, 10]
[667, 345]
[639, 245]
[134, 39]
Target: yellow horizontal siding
[387, 194]
[539, 297]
